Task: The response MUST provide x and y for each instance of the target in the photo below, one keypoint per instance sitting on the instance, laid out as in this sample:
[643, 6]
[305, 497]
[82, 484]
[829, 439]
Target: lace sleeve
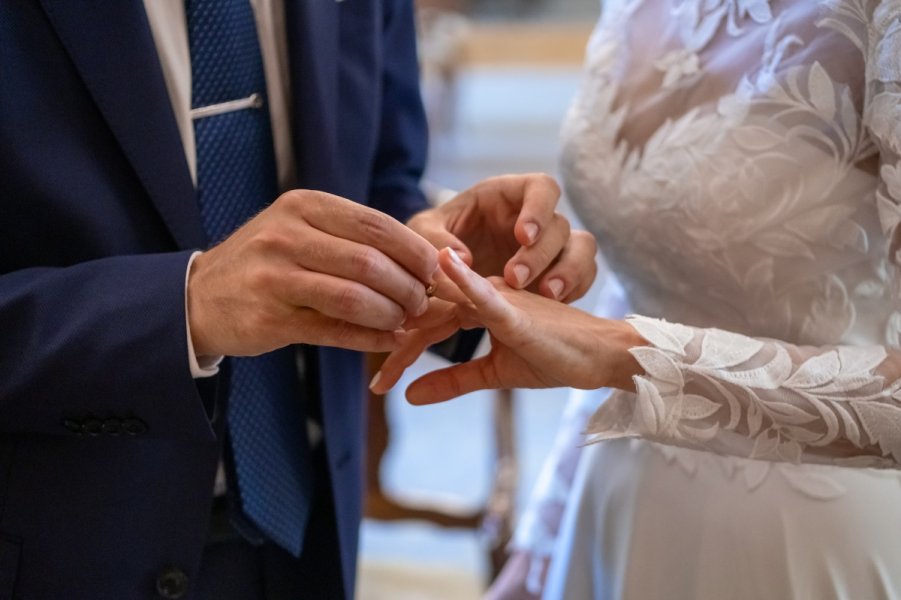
[761, 398]
[715, 390]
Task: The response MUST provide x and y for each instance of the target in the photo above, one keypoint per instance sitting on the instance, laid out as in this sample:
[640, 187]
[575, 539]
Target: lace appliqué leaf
[704, 387]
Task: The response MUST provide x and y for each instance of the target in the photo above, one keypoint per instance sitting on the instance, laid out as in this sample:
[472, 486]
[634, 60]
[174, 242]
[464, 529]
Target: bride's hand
[535, 342]
[509, 226]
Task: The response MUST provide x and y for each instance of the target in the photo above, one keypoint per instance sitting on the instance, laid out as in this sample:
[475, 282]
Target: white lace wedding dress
[738, 161]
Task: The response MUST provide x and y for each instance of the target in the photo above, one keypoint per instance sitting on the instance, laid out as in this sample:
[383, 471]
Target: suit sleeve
[99, 343]
[403, 136]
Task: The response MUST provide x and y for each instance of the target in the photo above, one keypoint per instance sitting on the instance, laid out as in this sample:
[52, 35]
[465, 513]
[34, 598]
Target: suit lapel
[112, 47]
[312, 27]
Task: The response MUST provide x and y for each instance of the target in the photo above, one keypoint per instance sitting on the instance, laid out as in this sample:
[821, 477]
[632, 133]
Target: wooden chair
[493, 521]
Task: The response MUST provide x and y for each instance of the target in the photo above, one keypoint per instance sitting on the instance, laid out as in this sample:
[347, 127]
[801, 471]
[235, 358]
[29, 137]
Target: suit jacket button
[92, 427]
[112, 426]
[134, 426]
[72, 425]
[172, 583]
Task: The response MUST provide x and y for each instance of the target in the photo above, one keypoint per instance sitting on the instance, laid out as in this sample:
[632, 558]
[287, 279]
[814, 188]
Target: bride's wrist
[619, 337]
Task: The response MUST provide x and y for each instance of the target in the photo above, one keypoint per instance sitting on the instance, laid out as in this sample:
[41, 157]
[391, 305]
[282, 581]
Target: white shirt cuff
[201, 366]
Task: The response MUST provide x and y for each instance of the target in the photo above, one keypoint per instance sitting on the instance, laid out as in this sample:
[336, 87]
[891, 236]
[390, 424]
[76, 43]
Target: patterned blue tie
[236, 178]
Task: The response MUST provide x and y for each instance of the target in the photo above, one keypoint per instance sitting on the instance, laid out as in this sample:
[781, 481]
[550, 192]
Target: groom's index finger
[352, 221]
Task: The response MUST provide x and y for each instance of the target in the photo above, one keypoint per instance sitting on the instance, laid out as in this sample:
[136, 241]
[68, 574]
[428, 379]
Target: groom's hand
[509, 226]
[311, 268]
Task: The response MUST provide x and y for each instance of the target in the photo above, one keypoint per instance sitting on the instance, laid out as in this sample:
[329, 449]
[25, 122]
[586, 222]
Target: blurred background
[446, 483]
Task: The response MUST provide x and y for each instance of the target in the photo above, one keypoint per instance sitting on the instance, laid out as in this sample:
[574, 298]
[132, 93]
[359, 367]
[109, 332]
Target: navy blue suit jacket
[107, 447]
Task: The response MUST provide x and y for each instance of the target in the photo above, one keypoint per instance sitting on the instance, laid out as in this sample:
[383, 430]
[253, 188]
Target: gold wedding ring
[430, 290]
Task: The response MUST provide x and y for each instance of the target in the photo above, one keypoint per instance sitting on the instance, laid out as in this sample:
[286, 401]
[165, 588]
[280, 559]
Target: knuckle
[375, 225]
[255, 323]
[546, 180]
[380, 342]
[291, 200]
[424, 265]
[343, 333]
[488, 373]
[350, 301]
[455, 386]
[550, 181]
[260, 278]
[542, 256]
[583, 237]
[491, 182]
[396, 318]
[415, 293]
[305, 204]
[589, 241]
[365, 263]
[270, 239]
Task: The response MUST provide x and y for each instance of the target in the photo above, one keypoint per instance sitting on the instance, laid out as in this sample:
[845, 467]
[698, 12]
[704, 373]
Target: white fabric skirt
[647, 521]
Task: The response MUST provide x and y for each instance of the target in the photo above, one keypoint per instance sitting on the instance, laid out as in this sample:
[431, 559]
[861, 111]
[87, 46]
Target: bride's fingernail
[531, 230]
[521, 272]
[556, 287]
[375, 380]
[454, 256]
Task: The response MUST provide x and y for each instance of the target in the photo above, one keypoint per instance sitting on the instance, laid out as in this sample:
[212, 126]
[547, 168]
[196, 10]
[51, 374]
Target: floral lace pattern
[829, 405]
[740, 169]
[742, 176]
